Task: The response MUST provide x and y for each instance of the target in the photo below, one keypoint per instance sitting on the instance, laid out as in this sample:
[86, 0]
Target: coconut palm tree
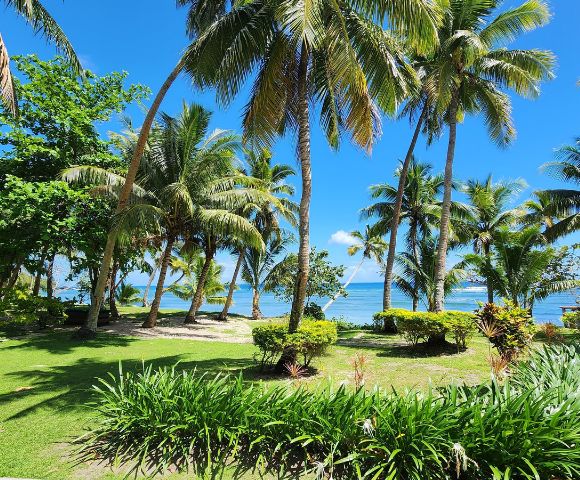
[520, 262]
[565, 202]
[265, 217]
[371, 244]
[42, 22]
[468, 73]
[487, 213]
[419, 208]
[329, 53]
[257, 266]
[127, 294]
[541, 210]
[416, 274]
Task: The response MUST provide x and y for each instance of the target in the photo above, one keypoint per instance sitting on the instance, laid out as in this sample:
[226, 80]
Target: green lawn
[45, 383]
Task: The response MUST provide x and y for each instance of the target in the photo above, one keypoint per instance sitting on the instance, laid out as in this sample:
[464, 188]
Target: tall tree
[565, 203]
[418, 207]
[372, 246]
[266, 217]
[329, 53]
[487, 213]
[468, 73]
[42, 22]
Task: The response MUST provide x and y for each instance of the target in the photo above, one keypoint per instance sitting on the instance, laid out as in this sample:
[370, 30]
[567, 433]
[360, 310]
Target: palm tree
[521, 259]
[416, 275]
[541, 210]
[419, 208]
[372, 246]
[329, 53]
[199, 16]
[565, 202]
[42, 22]
[127, 294]
[468, 73]
[487, 213]
[265, 217]
[257, 266]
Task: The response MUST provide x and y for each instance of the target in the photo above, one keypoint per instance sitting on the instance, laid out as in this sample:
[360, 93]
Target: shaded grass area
[45, 383]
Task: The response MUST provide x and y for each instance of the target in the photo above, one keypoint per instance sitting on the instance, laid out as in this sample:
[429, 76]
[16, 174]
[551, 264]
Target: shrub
[526, 428]
[384, 322]
[343, 325]
[571, 319]
[313, 310]
[311, 340]
[509, 328]
[418, 326]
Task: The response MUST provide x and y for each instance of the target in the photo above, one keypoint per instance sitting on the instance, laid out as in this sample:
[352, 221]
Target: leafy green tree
[372, 246]
[266, 217]
[59, 120]
[565, 203]
[328, 53]
[487, 213]
[416, 277]
[467, 75]
[525, 269]
[419, 208]
[41, 21]
[127, 294]
[324, 280]
[257, 266]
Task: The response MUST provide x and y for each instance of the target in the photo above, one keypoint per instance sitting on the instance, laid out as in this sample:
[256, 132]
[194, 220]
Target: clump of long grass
[526, 428]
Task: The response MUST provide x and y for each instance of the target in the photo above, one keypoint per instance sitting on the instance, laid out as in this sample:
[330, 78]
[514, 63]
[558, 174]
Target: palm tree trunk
[304, 213]
[112, 290]
[346, 284]
[488, 284]
[224, 313]
[90, 328]
[256, 312]
[413, 234]
[148, 286]
[50, 277]
[152, 317]
[440, 265]
[198, 297]
[387, 290]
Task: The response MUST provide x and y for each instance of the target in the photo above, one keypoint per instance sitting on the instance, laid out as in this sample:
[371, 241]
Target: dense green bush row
[417, 326]
[571, 319]
[311, 340]
[527, 428]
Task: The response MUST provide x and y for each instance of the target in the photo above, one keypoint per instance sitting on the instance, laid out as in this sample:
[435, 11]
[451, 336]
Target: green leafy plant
[571, 319]
[313, 310]
[311, 340]
[509, 328]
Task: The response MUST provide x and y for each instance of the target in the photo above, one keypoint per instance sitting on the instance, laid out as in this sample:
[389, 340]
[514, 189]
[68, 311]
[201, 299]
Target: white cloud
[341, 237]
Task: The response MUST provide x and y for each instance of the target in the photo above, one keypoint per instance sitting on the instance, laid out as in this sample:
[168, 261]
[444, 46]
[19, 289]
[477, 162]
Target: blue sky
[146, 37]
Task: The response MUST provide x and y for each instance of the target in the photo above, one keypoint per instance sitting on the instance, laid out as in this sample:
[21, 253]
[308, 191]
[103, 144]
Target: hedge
[417, 326]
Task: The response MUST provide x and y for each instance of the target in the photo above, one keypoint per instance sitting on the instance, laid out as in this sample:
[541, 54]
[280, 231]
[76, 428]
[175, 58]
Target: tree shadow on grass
[393, 347]
[74, 381]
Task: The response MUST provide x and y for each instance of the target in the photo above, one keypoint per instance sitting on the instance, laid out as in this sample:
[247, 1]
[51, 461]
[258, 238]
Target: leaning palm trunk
[198, 297]
[387, 290]
[112, 288]
[152, 318]
[224, 313]
[445, 209]
[256, 312]
[346, 284]
[90, 328]
[148, 286]
[304, 225]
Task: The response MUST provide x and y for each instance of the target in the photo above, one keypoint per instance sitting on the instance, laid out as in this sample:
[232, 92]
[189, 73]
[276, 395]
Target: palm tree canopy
[472, 65]
[355, 67]
[258, 264]
[370, 242]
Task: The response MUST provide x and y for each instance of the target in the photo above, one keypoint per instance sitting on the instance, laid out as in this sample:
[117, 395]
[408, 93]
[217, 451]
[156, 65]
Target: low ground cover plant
[526, 428]
[311, 340]
[422, 326]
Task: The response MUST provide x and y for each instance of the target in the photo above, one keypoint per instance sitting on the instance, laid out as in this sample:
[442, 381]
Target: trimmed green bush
[571, 319]
[526, 428]
[311, 340]
[420, 326]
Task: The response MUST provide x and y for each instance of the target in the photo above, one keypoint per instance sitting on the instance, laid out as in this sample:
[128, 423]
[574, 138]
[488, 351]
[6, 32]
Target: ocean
[365, 299]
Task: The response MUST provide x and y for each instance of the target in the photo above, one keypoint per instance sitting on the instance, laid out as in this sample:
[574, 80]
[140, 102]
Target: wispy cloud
[341, 237]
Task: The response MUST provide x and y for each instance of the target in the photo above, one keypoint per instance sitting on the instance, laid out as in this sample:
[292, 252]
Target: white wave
[471, 289]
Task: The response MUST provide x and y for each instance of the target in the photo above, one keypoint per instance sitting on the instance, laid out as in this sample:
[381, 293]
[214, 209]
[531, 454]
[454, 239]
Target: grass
[45, 383]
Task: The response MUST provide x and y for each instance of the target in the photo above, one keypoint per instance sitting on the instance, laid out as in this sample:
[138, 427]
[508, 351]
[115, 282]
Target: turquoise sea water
[365, 299]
